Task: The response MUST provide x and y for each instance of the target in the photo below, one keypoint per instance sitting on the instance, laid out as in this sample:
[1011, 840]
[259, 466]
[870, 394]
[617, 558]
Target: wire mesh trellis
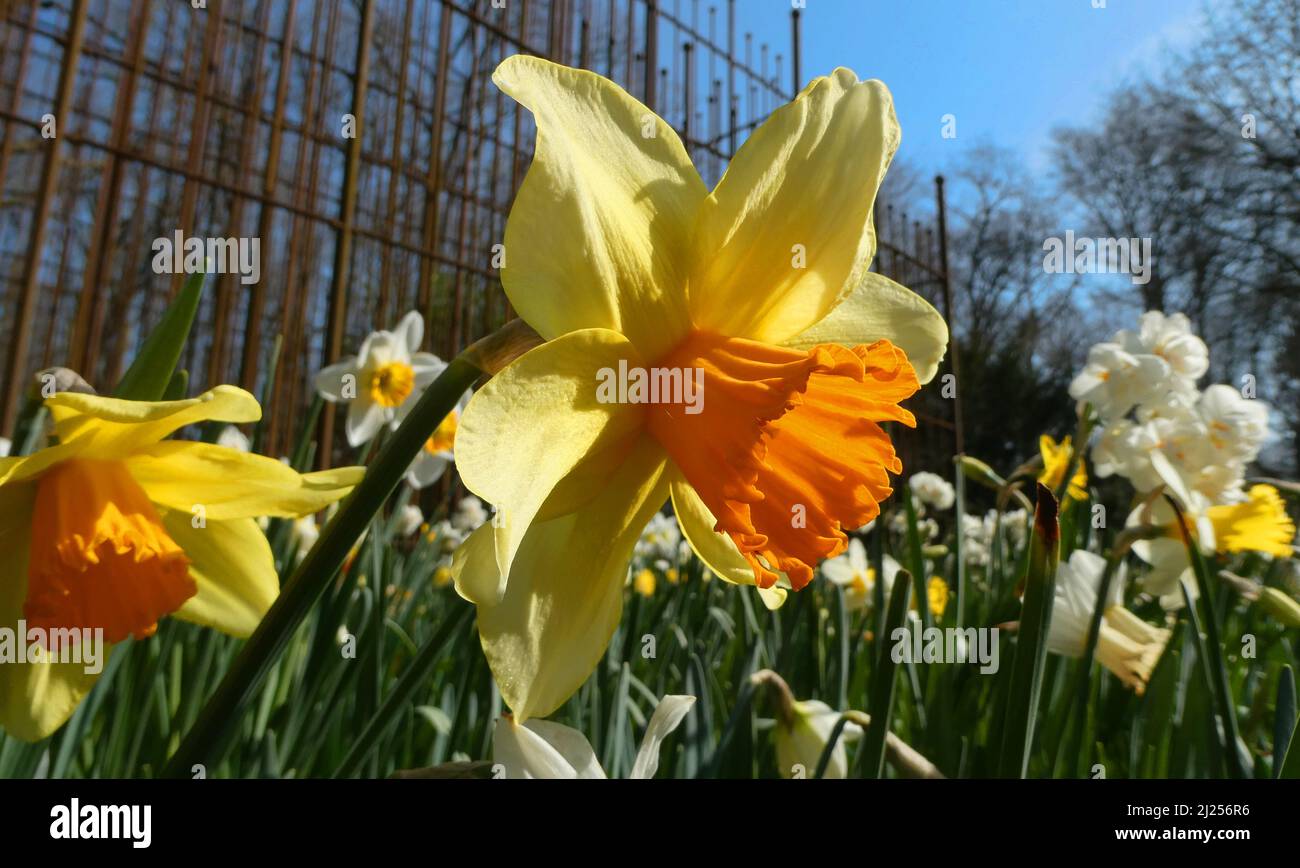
[126, 121]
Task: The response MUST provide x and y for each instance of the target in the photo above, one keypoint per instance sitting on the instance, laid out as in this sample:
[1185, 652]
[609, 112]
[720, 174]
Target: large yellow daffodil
[114, 527]
[617, 253]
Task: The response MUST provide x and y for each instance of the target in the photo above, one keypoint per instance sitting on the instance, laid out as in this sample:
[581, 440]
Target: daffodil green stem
[206, 743]
[1031, 644]
[1211, 649]
[871, 757]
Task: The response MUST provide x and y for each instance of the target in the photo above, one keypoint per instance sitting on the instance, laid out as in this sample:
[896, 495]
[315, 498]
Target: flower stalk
[206, 743]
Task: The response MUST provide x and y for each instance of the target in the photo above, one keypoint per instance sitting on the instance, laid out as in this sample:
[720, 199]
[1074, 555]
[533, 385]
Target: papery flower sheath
[621, 259]
[115, 526]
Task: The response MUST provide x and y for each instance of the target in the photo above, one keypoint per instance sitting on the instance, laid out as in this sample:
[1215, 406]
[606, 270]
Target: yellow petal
[565, 593]
[773, 598]
[599, 233]
[24, 467]
[113, 428]
[787, 234]
[35, 698]
[535, 422]
[717, 550]
[880, 308]
[232, 565]
[229, 484]
[1260, 524]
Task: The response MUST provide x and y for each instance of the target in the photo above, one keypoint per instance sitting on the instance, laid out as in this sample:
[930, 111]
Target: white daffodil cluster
[1160, 430]
[932, 490]
[979, 533]
[1143, 386]
[659, 553]
[448, 534]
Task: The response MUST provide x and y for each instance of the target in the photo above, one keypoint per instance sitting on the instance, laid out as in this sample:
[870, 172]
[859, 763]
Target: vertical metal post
[199, 126]
[433, 183]
[343, 247]
[651, 50]
[796, 46]
[953, 365]
[16, 363]
[688, 100]
[731, 75]
[257, 295]
[106, 207]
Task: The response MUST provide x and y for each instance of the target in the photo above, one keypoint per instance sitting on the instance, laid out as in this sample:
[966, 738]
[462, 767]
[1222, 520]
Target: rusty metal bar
[343, 246]
[16, 363]
[651, 50]
[946, 287]
[199, 127]
[251, 356]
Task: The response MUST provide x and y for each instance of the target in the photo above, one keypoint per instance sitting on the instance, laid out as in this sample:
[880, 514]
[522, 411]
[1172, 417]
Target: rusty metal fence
[360, 141]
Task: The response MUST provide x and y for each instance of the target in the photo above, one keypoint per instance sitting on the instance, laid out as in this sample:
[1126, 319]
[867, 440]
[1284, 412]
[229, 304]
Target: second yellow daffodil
[115, 526]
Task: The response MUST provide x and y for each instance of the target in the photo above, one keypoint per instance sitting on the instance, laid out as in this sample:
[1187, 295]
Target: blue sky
[1009, 70]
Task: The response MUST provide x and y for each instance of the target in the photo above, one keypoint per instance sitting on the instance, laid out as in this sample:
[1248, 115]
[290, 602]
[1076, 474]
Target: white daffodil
[976, 539]
[1237, 427]
[1126, 645]
[544, 749]
[410, 520]
[1015, 523]
[852, 572]
[439, 450]
[6, 446]
[660, 541]
[304, 534]
[933, 490]
[1114, 381]
[232, 438]
[801, 735]
[378, 382]
[1170, 338]
[469, 515]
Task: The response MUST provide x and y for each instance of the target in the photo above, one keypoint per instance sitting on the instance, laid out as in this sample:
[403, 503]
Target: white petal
[409, 333]
[365, 418]
[668, 715]
[570, 744]
[426, 469]
[525, 754]
[330, 381]
[427, 367]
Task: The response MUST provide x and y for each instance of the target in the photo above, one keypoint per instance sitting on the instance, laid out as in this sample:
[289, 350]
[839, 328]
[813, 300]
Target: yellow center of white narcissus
[392, 383]
[443, 438]
[115, 527]
[758, 293]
